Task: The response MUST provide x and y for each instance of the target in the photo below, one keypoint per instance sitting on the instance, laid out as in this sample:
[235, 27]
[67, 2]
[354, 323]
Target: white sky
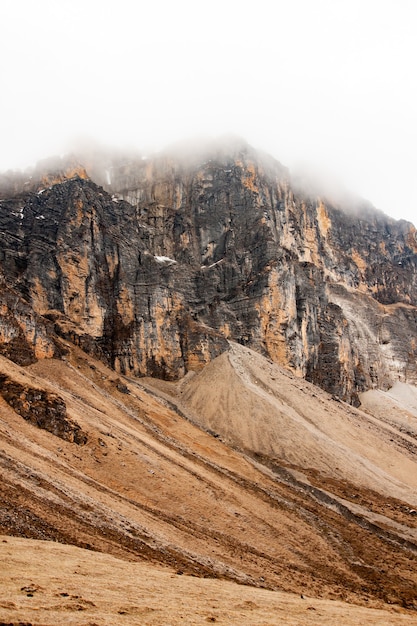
[327, 82]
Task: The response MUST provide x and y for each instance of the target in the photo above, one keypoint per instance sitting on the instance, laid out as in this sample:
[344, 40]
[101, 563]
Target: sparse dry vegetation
[239, 474]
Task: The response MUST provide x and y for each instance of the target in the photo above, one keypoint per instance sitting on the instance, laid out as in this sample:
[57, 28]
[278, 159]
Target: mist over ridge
[306, 178]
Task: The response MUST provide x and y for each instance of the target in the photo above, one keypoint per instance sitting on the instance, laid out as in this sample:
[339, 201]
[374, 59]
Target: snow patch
[18, 213]
[164, 259]
[207, 267]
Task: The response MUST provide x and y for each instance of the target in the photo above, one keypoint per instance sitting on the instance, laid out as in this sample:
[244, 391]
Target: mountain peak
[47, 172]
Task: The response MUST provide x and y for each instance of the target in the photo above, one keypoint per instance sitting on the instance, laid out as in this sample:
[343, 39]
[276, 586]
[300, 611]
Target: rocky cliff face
[182, 252]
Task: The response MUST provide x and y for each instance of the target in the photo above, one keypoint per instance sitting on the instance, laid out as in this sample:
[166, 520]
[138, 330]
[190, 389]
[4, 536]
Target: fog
[329, 85]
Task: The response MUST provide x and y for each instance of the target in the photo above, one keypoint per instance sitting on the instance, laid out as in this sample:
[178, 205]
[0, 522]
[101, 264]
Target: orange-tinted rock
[190, 251]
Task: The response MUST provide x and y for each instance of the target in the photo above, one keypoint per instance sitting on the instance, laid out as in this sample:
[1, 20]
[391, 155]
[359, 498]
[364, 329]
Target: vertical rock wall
[187, 253]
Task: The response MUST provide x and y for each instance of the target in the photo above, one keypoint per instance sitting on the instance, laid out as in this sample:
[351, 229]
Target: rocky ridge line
[185, 252]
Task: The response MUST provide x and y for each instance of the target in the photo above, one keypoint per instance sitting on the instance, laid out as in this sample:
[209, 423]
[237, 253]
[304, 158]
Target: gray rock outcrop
[183, 251]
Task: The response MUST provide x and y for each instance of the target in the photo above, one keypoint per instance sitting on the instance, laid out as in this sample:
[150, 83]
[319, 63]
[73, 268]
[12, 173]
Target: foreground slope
[76, 586]
[147, 483]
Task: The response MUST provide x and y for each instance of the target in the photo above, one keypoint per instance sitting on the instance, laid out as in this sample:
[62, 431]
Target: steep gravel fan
[258, 406]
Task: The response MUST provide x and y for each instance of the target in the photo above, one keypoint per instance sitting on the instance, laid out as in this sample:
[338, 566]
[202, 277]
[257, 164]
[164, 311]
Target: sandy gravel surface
[261, 407]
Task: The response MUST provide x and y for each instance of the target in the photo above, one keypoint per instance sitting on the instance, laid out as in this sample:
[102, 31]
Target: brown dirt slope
[281, 488]
[80, 587]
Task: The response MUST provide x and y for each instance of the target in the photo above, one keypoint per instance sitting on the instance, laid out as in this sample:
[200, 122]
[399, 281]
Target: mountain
[197, 247]
[204, 366]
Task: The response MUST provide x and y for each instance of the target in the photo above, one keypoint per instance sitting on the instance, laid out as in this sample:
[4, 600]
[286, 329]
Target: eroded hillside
[277, 497]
